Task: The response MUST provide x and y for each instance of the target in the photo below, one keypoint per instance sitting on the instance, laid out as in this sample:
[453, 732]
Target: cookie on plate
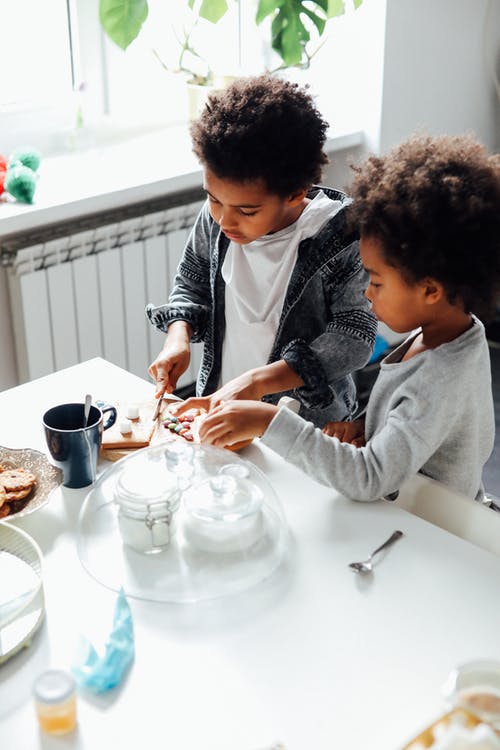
[17, 480]
[15, 495]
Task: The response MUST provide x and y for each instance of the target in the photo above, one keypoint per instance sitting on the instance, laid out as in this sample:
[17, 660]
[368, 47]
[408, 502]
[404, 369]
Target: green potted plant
[294, 25]
[200, 77]
[291, 21]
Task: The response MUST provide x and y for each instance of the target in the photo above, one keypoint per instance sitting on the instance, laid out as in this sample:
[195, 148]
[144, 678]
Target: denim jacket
[326, 328]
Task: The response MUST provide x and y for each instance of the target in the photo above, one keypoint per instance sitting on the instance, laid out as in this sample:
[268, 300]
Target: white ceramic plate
[22, 606]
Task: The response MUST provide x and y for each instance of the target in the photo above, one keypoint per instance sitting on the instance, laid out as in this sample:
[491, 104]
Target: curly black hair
[434, 206]
[262, 128]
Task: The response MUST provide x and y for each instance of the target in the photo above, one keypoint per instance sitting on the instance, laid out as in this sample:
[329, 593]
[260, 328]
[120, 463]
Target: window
[36, 64]
[70, 74]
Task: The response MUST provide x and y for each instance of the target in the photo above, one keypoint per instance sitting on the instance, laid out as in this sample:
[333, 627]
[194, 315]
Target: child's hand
[234, 421]
[347, 432]
[243, 387]
[170, 364]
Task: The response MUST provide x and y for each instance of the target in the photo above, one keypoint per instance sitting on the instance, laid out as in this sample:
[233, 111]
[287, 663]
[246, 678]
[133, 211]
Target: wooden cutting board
[142, 428]
[161, 434]
[145, 431]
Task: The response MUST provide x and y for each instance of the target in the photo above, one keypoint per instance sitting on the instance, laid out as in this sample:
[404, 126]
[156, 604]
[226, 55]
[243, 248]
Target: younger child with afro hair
[429, 219]
[270, 279]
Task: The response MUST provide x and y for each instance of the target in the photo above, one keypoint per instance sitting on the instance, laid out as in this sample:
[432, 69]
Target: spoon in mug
[366, 566]
[86, 409]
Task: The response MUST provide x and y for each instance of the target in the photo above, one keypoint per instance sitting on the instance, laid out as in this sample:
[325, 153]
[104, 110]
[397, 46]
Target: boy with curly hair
[429, 218]
[270, 279]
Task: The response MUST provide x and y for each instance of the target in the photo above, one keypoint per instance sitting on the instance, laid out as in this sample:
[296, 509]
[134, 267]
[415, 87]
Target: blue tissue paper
[100, 673]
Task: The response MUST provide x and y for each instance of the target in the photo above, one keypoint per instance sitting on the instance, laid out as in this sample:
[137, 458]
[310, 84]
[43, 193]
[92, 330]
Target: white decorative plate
[21, 599]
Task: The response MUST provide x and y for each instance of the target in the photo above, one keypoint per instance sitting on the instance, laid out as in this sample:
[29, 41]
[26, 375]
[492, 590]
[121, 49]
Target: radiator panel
[83, 295]
[36, 327]
[135, 298]
[62, 315]
[88, 307]
[156, 252]
[112, 307]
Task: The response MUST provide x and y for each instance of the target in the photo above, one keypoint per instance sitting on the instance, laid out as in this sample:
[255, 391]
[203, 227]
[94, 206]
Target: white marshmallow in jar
[148, 498]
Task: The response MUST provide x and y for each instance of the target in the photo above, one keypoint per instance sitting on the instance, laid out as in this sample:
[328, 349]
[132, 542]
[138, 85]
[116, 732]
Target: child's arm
[234, 421]
[396, 452]
[347, 335]
[252, 385]
[187, 312]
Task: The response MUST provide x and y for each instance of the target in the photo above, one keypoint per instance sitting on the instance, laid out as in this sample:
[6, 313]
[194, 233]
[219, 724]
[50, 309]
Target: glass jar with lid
[223, 513]
[227, 530]
[147, 502]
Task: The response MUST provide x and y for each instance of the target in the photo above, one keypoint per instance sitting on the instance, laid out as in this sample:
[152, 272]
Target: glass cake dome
[177, 522]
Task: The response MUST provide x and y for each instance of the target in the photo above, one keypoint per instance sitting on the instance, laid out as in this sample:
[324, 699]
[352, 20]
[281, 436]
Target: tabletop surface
[314, 657]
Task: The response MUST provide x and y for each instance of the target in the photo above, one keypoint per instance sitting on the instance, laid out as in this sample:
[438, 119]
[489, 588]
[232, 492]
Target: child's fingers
[161, 376]
[162, 386]
[335, 429]
[194, 402]
[358, 442]
[216, 434]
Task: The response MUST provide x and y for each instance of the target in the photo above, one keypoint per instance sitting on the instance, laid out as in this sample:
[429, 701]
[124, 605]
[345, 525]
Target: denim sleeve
[349, 337]
[191, 298]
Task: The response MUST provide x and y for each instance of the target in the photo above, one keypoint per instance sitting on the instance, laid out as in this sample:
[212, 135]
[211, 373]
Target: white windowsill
[105, 178]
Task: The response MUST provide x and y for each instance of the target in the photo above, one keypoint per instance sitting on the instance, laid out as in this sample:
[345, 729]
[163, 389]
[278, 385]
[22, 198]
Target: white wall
[338, 173]
[437, 69]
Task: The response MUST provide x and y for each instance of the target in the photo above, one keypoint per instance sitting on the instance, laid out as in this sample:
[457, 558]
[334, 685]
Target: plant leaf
[357, 3]
[317, 20]
[276, 31]
[289, 34]
[323, 4]
[213, 10]
[293, 38]
[336, 8]
[122, 19]
[266, 7]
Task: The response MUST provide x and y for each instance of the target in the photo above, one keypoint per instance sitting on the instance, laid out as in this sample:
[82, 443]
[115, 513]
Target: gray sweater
[432, 413]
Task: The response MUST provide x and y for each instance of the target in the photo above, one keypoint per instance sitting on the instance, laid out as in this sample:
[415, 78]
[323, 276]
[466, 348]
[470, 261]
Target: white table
[316, 656]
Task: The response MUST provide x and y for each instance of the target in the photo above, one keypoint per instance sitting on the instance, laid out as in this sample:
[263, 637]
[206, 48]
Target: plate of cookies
[27, 479]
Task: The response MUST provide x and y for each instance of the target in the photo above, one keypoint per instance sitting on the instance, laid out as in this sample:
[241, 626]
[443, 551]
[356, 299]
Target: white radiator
[83, 294]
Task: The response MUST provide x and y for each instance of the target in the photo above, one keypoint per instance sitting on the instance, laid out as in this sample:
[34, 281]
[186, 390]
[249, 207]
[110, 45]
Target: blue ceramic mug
[73, 446]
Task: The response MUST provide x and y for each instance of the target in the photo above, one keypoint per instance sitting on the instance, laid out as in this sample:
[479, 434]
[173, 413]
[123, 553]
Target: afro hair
[262, 128]
[434, 205]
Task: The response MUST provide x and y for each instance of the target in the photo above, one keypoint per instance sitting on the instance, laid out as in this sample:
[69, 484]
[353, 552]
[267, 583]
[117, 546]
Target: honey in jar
[55, 701]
